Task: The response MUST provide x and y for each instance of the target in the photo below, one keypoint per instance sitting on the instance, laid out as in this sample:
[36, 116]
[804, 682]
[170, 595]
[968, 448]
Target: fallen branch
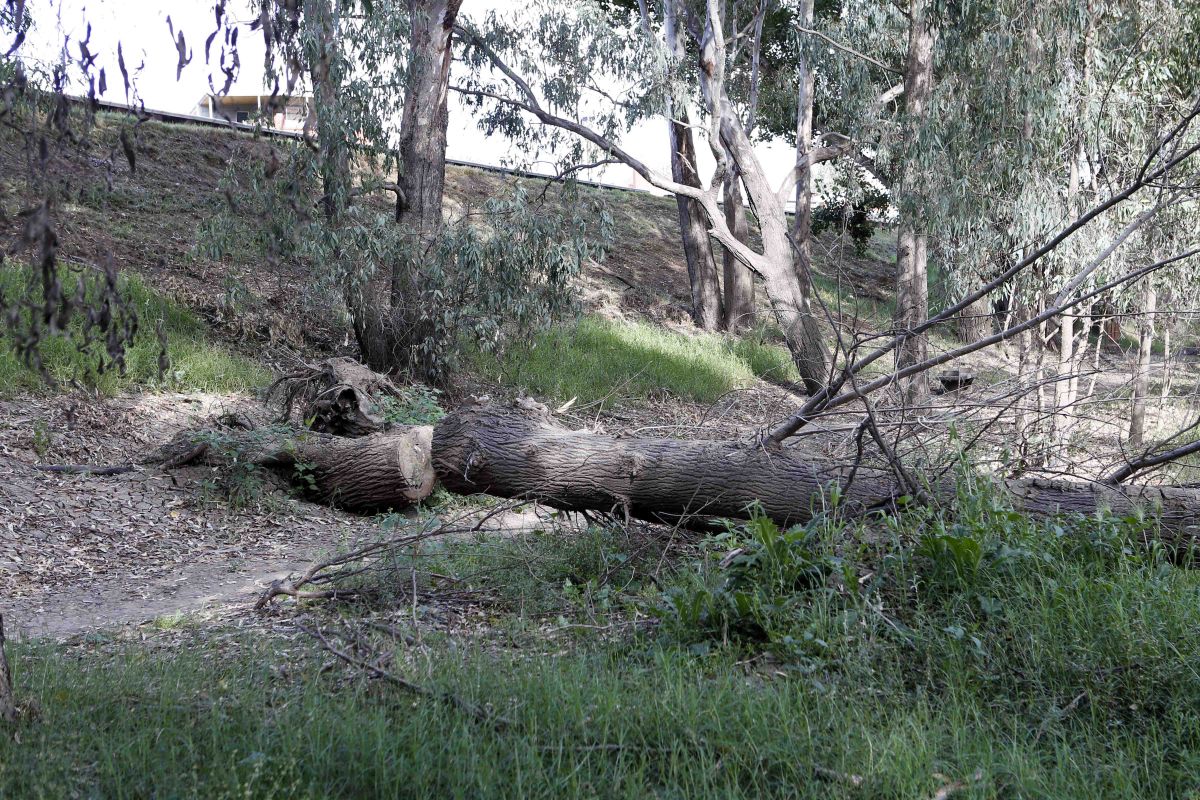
[1139, 465]
[86, 469]
[954, 787]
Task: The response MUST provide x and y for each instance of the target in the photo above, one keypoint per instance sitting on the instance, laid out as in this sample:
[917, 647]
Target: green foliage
[546, 571]
[761, 579]
[603, 361]
[486, 279]
[417, 405]
[486, 286]
[41, 438]
[1061, 665]
[194, 361]
[238, 479]
[851, 205]
[1050, 658]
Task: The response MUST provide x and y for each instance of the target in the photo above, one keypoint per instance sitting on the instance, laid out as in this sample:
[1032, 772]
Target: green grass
[197, 363]
[1053, 659]
[603, 361]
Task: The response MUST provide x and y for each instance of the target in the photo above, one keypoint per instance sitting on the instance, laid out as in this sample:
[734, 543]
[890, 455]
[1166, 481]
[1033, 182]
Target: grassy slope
[149, 222]
[197, 361]
[602, 361]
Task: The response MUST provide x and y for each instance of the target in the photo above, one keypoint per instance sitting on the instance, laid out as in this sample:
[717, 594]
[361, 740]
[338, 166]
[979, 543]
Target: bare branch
[1133, 468]
[849, 50]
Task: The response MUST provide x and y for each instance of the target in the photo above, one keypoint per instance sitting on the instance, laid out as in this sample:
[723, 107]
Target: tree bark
[422, 177]
[386, 471]
[335, 168]
[1141, 377]
[912, 281]
[702, 266]
[739, 280]
[975, 321]
[520, 451]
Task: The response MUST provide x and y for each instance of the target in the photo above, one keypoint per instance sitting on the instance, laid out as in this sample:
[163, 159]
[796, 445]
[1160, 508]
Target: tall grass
[604, 361]
[1020, 658]
[196, 362]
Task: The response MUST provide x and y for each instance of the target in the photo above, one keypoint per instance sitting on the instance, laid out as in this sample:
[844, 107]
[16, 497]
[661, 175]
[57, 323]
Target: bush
[483, 281]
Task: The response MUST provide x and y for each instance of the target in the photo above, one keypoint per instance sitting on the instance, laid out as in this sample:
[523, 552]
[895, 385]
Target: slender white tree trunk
[739, 281]
[912, 281]
[1141, 377]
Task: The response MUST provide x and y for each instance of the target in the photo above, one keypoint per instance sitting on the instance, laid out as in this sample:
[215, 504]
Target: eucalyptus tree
[519, 76]
[422, 177]
[418, 288]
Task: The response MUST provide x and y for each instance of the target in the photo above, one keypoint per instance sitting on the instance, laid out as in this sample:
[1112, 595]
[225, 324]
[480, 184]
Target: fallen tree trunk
[520, 451]
[385, 471]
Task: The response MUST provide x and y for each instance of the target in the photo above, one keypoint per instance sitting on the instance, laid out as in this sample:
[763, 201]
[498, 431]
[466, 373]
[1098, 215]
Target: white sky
[141, 27]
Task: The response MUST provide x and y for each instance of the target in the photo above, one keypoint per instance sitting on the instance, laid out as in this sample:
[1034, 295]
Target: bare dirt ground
[79, 552]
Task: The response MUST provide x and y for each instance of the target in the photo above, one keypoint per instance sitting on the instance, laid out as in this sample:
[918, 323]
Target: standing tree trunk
[739, 281]
[1141, 378]
[790, 296]
[912, 281]
[422, 175]
[1066, 388]
[975, 321]
[702, 266]
[325, 72]
[802, 220]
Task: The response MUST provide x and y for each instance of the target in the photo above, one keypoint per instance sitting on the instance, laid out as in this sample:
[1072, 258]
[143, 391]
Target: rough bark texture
[739, 280]
[912, 283]
[422, 177]
[338, 396]
[520, 451]
[336, 175]
[387, 471]
[976, 321]
[702, 267]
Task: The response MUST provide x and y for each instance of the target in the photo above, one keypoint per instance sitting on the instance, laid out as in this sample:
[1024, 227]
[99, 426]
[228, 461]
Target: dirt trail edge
[84, 552]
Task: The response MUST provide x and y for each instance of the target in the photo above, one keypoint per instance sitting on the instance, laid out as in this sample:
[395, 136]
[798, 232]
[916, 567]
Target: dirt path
[79, 552]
